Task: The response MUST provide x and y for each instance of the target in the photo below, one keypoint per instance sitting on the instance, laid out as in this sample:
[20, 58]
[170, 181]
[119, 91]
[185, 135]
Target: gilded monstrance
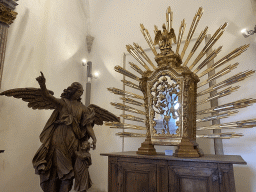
[170, 85]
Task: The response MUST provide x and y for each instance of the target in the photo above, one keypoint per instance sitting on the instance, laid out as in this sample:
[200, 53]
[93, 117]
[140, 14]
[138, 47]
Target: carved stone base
[187, 149]
[147, 148]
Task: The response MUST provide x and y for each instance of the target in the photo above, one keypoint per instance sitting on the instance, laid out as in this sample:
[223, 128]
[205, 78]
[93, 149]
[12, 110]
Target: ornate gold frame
[169, 139]
[187, 73]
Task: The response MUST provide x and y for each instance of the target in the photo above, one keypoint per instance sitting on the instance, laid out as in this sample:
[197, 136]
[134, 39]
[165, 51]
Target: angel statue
[64, 139]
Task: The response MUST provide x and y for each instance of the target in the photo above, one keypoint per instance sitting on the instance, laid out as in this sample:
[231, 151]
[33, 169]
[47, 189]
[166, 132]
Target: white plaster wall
[47, 36]
[50, 36]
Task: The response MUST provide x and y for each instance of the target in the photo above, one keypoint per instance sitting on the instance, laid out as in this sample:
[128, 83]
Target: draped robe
[61, 136]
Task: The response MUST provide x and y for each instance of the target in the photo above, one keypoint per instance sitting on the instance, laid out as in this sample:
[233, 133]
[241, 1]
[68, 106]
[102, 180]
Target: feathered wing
[158, 37]
[172, 35]
[102, 115]
[33, 96]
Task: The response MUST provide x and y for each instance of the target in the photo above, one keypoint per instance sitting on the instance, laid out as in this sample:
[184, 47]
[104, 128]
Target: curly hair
[67, 93]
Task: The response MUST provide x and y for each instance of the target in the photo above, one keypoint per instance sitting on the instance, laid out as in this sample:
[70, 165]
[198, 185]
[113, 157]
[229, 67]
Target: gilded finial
[164, 39]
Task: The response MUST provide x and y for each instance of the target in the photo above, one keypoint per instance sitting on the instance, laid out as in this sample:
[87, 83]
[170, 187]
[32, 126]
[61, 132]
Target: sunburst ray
[196, 45]
[180, 36]
[192, 29]
[209, 44]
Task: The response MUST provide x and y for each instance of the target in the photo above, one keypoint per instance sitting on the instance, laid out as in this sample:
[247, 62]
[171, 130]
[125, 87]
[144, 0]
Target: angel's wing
[158, 37]
[33, 96]
[172, 35]
[103, 115]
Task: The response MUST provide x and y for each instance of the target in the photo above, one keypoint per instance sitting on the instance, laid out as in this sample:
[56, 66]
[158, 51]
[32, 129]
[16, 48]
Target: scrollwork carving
[186, 105]
[164, 95]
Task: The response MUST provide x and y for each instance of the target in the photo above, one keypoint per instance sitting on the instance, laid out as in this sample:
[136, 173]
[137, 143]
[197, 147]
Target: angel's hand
[41, 79]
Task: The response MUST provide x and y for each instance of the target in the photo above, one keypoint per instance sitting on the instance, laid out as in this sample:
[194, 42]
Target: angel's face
[77, 94]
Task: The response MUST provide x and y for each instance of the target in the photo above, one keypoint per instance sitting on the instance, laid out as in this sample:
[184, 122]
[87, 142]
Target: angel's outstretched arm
[41, 81]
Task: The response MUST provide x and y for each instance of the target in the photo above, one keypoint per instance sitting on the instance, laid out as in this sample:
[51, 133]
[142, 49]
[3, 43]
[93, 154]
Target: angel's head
[74, 91]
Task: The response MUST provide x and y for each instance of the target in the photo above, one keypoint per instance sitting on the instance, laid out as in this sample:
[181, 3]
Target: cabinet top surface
[234, 159]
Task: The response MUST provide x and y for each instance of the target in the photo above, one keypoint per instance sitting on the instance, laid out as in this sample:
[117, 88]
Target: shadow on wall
[24, 61]
[20, 31]
[241, 175]
[84, 7]
[16, 49]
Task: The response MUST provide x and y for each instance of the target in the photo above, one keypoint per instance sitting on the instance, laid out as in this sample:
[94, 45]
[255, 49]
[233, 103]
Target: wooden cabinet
[129, 172]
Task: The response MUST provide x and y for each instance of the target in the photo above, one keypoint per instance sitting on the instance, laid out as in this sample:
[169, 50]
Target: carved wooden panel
[136, 177]
[227, 181]
[112, 174]
[129, 172]
[162, 176]
[193, 177]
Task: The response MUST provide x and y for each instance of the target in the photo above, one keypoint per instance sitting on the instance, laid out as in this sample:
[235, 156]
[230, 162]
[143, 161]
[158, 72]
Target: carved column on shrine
[7, 16]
